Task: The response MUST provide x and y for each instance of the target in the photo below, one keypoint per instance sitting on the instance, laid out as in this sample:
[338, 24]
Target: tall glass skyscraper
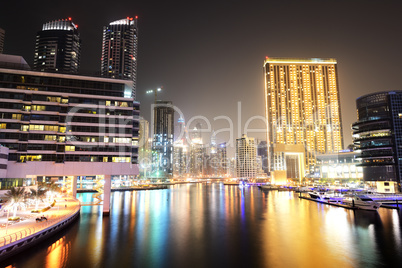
[119, 50]
[302, 110]
[58, 47]
[163, 136]
[377, 136]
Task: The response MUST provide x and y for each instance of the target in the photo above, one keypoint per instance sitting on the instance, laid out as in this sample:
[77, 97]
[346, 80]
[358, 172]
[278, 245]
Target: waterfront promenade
[27, 226]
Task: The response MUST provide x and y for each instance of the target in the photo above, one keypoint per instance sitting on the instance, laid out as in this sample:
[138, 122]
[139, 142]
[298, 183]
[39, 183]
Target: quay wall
[15, 243]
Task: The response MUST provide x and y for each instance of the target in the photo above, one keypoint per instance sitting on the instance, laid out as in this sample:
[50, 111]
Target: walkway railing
[10, 238]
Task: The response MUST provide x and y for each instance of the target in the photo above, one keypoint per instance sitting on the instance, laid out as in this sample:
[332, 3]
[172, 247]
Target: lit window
[51, 128]
[70, 148]
[31, 158]
[17, 116]
[36, 127]
[121, 159]
[50, 137]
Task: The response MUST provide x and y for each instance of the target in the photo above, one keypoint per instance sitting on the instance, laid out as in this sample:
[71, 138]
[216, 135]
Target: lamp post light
[8, 211]
[155, 91]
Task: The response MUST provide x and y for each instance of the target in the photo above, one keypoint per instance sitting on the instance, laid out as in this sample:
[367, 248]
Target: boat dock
[336, 203]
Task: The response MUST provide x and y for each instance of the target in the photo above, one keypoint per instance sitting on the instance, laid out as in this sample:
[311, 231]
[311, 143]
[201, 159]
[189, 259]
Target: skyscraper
[213, 163]
[144, 153]
[377, 136]
[180, 159]
[262, 151]
[119, 50]
[302, 110]
[2, 35]
[58, 47]
[197, 154]
[163, 136]
[223, 163]
[246, 157]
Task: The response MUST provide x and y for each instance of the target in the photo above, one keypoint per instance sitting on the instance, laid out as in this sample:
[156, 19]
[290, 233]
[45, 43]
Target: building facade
[263, 153]
[223, 161]
[197, 154]
[342, 166]
[302, 108]
[61, 125]
[119, 50]
[163, 137]
[2, 36]
[246, 157]
[144, 149]
[377, 136]
[58, 47]
[180, 159]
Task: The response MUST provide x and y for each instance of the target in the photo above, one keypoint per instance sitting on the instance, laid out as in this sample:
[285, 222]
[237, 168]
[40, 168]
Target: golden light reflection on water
[299, 234]
[58, 254]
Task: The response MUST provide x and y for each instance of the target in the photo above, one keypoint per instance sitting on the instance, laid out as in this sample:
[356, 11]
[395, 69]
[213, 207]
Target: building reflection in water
[58, 253]
[212, 225]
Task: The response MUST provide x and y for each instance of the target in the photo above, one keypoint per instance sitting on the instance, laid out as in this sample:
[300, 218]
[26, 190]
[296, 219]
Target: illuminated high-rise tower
[246, 157]
[303, 112]
[163, 137]
[58, 47]
[119, 50]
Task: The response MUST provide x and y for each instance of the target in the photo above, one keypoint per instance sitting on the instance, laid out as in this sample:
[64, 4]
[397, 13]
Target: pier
[333, 203]
[336, 203]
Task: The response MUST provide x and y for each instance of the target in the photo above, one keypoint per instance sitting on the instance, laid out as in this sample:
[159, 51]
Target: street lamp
[154, 91]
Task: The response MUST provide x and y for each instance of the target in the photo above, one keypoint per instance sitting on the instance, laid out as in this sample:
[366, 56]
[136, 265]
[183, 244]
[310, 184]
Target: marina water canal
[212, 225]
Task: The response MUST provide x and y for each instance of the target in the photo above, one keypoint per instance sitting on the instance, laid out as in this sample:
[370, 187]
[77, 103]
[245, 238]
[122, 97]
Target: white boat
[322, 195]
[361, 202]
[303, 189]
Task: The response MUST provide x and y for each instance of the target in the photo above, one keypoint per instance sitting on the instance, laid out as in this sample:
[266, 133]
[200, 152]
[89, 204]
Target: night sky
[208, 55]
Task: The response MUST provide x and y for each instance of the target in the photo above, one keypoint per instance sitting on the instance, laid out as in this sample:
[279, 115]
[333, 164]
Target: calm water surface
[211, 225]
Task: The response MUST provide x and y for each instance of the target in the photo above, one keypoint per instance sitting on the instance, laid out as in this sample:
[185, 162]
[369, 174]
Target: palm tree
[50, 187]
[16, 198]
[38, 195]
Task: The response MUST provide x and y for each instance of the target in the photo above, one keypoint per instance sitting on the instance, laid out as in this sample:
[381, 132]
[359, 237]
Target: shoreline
[26, 234]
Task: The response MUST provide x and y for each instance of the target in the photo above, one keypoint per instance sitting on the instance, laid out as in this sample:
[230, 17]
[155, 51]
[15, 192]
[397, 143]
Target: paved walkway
[27, 225]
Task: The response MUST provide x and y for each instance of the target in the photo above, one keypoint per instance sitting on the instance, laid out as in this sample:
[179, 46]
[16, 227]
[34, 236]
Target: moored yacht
[361, 202]
[322, 195]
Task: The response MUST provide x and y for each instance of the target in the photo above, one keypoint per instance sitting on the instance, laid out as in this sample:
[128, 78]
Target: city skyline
[213, 53]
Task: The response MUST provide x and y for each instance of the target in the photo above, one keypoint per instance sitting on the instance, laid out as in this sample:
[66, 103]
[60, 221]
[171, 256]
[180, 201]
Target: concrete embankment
[23, 235]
